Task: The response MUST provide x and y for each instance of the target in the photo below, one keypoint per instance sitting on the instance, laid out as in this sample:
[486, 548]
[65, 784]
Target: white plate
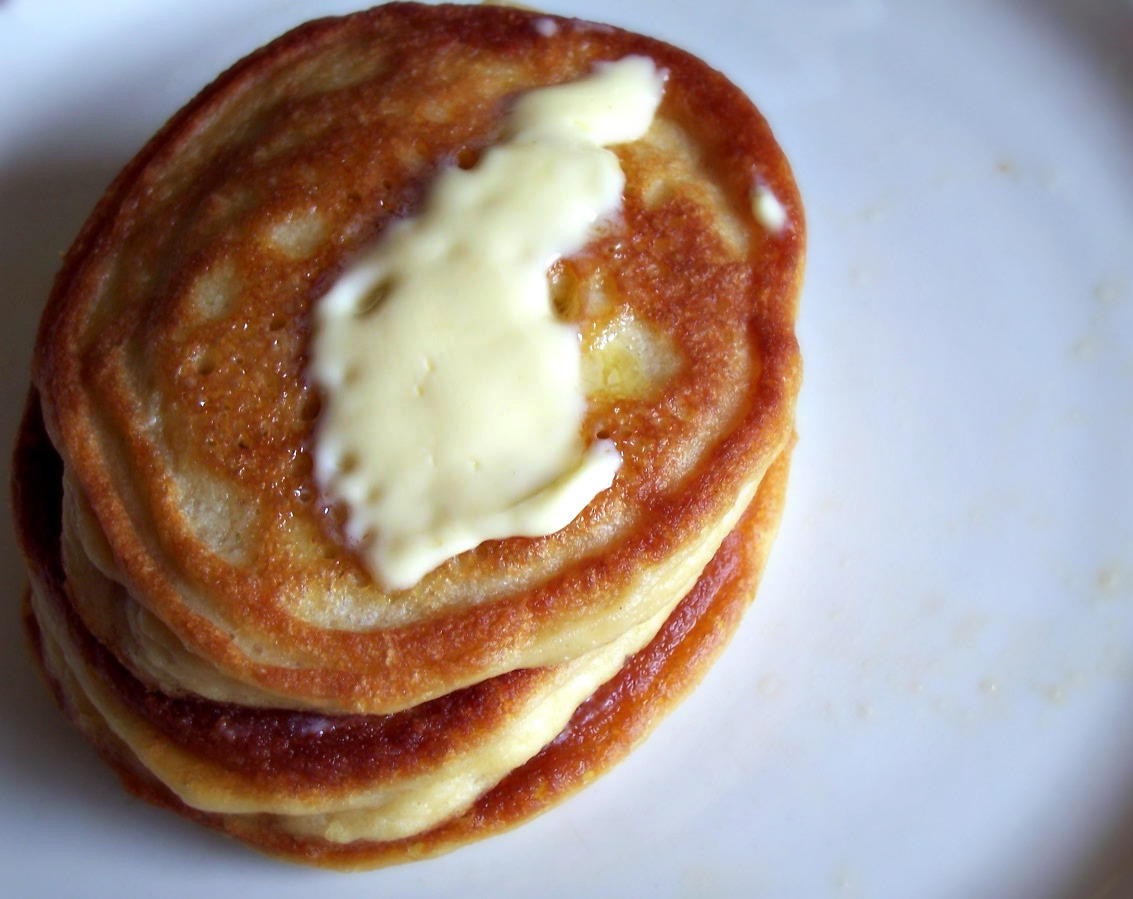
[932, 696]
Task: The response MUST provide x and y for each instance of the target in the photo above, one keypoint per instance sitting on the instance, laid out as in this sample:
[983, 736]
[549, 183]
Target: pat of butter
[453, 403]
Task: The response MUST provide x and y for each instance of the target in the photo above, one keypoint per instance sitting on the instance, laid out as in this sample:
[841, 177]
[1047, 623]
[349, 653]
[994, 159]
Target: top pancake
[171, 359]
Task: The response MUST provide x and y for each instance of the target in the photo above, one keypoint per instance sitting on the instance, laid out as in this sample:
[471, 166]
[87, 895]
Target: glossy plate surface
[931, 697]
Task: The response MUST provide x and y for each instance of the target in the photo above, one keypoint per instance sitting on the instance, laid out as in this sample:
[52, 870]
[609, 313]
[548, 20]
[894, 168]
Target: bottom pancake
[282, 750]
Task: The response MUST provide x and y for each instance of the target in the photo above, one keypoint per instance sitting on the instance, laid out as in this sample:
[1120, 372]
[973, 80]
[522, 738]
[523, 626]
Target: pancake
[289, 752]
[199, 602]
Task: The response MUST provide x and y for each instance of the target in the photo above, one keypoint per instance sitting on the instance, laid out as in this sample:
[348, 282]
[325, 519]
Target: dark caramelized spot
[206, 362]
[302, 464]
[311, 406]
[467, 158]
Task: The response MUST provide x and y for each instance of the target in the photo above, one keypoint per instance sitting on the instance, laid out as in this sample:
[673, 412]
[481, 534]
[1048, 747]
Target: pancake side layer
[603, 729]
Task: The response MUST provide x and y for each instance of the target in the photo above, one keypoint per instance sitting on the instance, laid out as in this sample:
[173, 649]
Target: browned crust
[617, 717]
[401, 666]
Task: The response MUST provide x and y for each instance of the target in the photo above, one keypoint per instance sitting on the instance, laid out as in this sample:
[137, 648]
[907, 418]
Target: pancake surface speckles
[196, 597]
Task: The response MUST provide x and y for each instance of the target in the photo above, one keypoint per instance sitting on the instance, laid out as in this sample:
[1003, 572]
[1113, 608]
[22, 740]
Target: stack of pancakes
[195, 603]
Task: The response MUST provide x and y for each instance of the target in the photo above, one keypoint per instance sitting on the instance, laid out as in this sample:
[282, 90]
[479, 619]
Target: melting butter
[453, 403]
[767, 209]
